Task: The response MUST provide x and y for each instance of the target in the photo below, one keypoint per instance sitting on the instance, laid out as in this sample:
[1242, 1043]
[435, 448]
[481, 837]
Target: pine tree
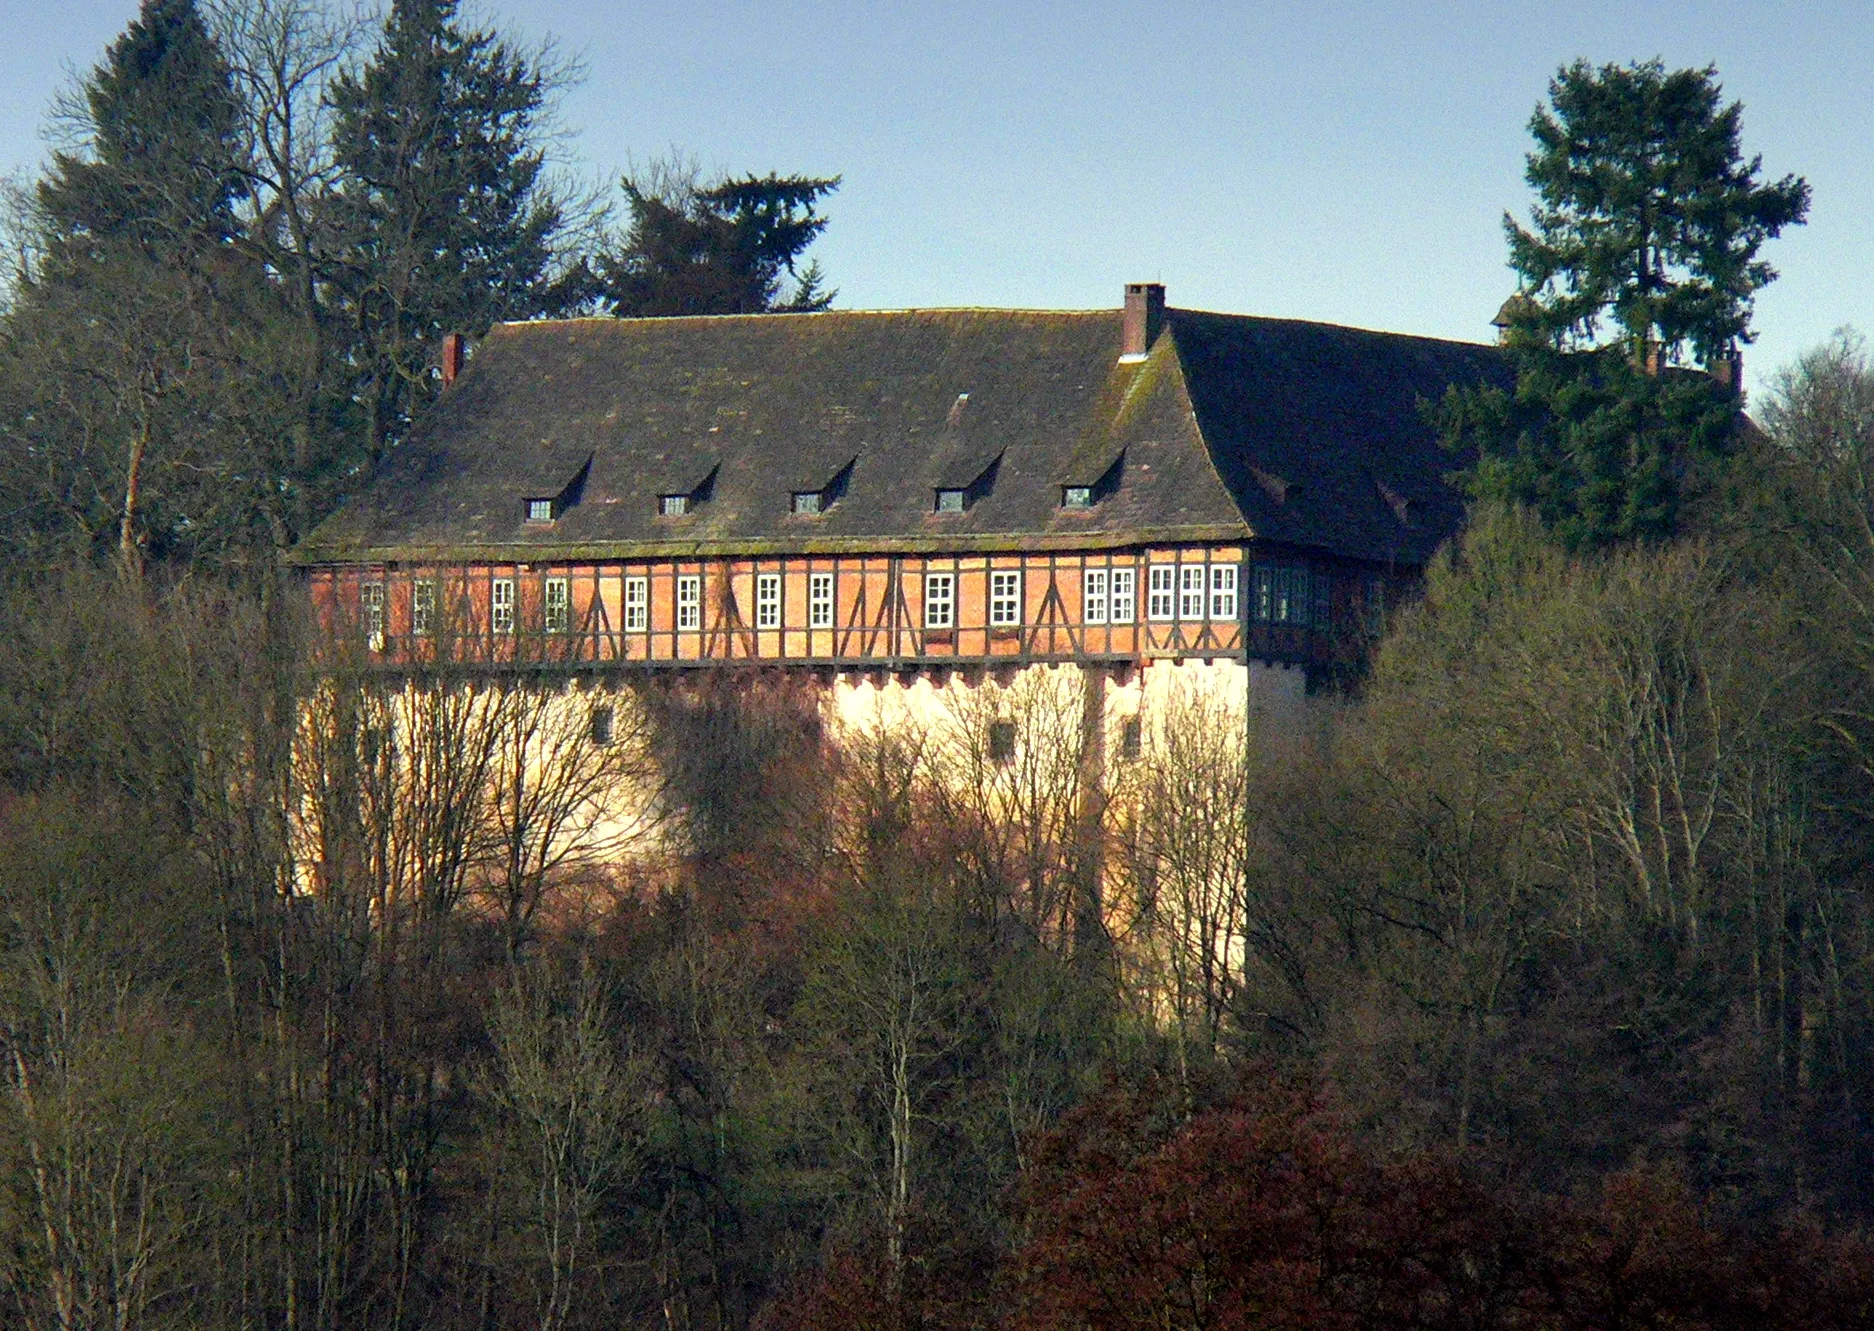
[1647, 213]
[445, 219]
[1643, 245]
[726, 248]
[161, 170]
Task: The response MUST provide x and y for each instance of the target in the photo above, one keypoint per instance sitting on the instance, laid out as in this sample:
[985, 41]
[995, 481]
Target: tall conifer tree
[445, 220]
[161, 168]
[1643, 245]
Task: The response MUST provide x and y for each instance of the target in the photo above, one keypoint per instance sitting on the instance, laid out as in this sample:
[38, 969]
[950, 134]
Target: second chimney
[454, 352]
[1145, 315]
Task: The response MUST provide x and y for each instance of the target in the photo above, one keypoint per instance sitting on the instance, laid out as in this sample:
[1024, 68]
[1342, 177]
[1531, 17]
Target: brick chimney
[454, 352]
[1145, 315]
[1727, 370]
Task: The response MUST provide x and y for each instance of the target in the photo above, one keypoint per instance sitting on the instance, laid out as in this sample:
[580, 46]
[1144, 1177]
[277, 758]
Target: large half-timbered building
[916, 494]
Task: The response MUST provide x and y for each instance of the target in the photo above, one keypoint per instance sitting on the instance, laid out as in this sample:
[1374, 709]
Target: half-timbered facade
[905, 492]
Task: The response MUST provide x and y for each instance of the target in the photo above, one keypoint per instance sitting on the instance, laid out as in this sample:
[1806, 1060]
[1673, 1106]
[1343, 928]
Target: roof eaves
[536, 552]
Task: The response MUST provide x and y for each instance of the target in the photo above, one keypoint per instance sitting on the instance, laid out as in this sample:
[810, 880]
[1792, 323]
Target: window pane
[540, 510]
[820, 600]
[1191, 592]
[553, 605]
[501, 605]
[949, 501]
[1223, 591]
[939, 600]
[1093, 596]
[422, 608]
[768, 601]
[1077, 496]
[675, 506]
[1125, 605]
[690, 601]
[1005, 597]
[637, 604]
[1323, 600]
[1265, 593]
[1162, 604]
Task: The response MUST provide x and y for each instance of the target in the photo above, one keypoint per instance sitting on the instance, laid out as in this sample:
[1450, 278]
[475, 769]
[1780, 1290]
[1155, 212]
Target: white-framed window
[1223, 591]
[819, 600]
[1076, 496]
[1125, 603]
[1005, 597]
[422, 608]
[1162, 593]
[555, 602]
[1191, 591]
[371, 609]
[807, 503]
[637, 603]
[540, 510]
[940, 593]
[673, 506]
[1093, 584]
[689, 601]
[501, 605]
[767, 600]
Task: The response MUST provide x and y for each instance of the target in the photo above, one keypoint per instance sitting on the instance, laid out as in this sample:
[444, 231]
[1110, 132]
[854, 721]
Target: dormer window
[540, 510]
[1084, 488]
[807, 502]
[673, 506]
[952, 501]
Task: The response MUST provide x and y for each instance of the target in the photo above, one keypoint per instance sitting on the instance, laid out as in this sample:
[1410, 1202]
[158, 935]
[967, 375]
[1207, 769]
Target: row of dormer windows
[1279, 594]
[812, 503]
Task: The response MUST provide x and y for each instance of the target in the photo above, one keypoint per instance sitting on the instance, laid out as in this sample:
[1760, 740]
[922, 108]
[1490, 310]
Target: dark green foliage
[1601, 450]
[162, 165]
[1647, 217]
[1647, 213]
[443, 218]
[726, 248]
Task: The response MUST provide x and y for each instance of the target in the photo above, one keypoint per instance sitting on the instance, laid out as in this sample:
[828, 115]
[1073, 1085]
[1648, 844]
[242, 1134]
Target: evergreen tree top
[161, 164]
[1647, 213]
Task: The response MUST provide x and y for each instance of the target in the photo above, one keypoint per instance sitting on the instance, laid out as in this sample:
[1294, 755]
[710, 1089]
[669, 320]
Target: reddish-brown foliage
[1265, 1212]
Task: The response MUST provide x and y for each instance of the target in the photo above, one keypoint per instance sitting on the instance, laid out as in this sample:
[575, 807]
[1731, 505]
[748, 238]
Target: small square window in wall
[819, 600]
[807, 502]
[1005, 597]
[1093, 584]
[423, 608]
[1001, 741]
[555, 603]
[371, 607]
[604, 720]
[501, 605]
[1223, 592]
[540, 510]
[1191, 592]
[673, 506]
[1131, 738]
[1125, 604]
[1162, 601]
[1077, 496]
[950, 501]
[690, 601]
[637, 603]
[767, 600]
[940, 591]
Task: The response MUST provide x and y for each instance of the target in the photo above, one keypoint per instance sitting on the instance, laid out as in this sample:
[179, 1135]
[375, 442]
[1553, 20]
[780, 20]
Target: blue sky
[1344, 162]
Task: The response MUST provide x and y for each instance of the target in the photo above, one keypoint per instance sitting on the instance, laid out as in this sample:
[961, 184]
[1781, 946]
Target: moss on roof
[771, 404]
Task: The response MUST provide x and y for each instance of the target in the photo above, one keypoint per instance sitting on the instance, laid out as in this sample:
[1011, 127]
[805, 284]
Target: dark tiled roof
[1298, 432]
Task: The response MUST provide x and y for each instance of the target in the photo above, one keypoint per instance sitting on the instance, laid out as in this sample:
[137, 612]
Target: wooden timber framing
[878, 616]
